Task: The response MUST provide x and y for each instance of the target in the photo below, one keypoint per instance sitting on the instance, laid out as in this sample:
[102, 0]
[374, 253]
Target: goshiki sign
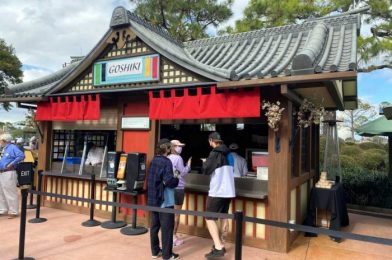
[128, 70]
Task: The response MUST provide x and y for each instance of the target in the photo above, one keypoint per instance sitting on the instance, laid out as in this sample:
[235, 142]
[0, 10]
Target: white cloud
[46, 32]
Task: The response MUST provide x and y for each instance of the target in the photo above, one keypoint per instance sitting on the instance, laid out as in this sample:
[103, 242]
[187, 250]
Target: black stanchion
[238, 217]
[134, 230]
[37, 218]
[22, 231]
[31, 205]
[113, 223]
[92, 222]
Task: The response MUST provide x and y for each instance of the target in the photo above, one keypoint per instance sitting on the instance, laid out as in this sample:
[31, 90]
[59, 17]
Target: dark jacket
[160, 175]
[218, 157]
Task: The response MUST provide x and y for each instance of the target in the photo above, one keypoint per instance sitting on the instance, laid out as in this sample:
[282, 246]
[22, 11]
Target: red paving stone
[63, 238]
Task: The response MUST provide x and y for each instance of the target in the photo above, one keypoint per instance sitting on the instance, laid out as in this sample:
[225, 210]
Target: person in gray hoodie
[219, 165]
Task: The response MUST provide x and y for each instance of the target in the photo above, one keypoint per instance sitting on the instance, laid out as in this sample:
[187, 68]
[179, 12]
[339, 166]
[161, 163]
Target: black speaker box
[135, 171]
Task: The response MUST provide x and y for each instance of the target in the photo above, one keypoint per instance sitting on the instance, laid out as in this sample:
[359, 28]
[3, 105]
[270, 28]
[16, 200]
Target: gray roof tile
[315, 46]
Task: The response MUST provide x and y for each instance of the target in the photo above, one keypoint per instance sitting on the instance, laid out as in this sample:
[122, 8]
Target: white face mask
[178, 149]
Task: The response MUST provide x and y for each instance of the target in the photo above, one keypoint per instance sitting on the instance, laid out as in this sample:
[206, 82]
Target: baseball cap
[176, 143]
[163, 141]
[215, 136]
[233, 146]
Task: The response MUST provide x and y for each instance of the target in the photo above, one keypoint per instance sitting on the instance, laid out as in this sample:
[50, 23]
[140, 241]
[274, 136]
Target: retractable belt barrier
[238, 217]
[297, 227]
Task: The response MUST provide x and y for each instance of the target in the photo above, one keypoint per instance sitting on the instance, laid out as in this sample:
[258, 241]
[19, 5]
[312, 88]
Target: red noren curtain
[225, 104]
[57, 110]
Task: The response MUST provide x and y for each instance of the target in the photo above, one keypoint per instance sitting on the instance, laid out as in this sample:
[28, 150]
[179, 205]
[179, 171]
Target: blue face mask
[178, 149]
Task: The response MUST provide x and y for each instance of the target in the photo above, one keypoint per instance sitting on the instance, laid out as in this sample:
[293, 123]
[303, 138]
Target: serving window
[249, 134]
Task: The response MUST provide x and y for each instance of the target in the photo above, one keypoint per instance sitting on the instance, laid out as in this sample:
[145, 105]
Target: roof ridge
[156, 28]
[307, 24]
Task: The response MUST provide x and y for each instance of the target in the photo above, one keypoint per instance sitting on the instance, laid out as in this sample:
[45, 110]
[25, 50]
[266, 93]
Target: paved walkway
[63, 238]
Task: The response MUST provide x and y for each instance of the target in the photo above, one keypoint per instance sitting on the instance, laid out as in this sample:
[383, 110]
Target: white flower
[273, 114]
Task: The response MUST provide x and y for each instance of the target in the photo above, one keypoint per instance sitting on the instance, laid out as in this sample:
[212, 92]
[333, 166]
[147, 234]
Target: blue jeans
[164, 221]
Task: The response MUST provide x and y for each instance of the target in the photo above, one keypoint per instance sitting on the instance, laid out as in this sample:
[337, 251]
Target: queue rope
[297, 227]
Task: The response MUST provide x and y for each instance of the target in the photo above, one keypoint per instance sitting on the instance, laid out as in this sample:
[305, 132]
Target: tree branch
[373, 67]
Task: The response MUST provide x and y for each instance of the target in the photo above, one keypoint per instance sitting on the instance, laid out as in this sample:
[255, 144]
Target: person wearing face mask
[181, 170]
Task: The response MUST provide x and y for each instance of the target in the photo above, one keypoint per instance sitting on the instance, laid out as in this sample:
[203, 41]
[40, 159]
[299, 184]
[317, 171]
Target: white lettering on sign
[125, 67]
[24, 173]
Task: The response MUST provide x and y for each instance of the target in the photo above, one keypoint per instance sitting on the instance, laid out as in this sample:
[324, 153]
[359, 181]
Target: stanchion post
[31, 205]
[37, 218]
[22, 231]
[91, 222]
[238, 217]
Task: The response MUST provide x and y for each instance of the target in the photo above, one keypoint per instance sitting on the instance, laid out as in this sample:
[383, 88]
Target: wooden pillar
[279, 178]
[45, 146]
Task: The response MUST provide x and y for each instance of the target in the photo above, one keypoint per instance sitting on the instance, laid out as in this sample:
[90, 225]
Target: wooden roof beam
[321, 77]
[290, 95]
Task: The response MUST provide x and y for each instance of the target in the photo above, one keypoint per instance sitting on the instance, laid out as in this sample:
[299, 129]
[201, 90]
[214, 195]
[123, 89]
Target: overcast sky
[45, 33]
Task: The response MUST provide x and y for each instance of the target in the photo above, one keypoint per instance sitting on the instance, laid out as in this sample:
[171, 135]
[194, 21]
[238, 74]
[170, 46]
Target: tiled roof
[315, 46]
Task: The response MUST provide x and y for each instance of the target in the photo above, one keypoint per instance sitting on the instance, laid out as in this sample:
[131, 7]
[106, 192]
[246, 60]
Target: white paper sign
[135, 123]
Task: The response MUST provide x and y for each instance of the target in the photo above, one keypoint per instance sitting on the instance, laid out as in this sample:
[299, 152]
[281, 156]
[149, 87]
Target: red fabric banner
[57, 110]
[76, 109]
[227, 104]
[44, 111]
[92, 110]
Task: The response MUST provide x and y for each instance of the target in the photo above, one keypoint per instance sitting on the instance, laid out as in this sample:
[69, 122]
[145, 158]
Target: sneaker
[215, 253]
[157, 255]
[11, 216]
[174, 257]
[177, 242]
[223, 248]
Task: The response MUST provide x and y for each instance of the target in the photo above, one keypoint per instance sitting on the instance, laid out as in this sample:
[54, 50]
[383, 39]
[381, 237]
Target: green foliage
[10, 69]
[372, 161]
[186, 20]
[350, 150]
[347, 162]
[369, 145]
[367, 188]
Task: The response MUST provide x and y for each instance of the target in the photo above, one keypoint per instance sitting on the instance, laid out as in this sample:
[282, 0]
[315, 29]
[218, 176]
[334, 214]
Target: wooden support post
[45, 146]
[279, 179]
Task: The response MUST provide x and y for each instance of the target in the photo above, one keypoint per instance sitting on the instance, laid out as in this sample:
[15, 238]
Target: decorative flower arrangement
[308, 113]
[273, 114]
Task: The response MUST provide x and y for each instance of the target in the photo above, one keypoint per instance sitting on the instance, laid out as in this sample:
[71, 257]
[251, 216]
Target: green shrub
[351, 150]
[369, 145]
[367, 188]
[347, 161]
[378, 151]
[372, 161]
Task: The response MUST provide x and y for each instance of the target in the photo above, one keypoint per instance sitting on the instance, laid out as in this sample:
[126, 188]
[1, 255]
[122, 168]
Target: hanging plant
[309, 114]
[273, 114]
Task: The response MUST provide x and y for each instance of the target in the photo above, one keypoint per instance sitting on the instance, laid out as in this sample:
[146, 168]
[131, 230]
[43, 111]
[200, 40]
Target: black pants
[165, 222]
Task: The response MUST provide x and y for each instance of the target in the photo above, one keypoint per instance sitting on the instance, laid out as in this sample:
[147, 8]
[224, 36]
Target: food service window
[251, 135]
[75, 140]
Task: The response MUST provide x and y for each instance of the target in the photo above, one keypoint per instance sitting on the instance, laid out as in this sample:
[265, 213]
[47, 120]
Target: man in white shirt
[240, 165]
[95, 155]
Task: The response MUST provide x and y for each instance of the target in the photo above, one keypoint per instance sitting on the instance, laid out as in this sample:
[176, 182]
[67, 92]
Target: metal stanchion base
[130, 231]
[37, 220]
[31, 206]
[24, 258]
[112, 225]
[91, 223]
